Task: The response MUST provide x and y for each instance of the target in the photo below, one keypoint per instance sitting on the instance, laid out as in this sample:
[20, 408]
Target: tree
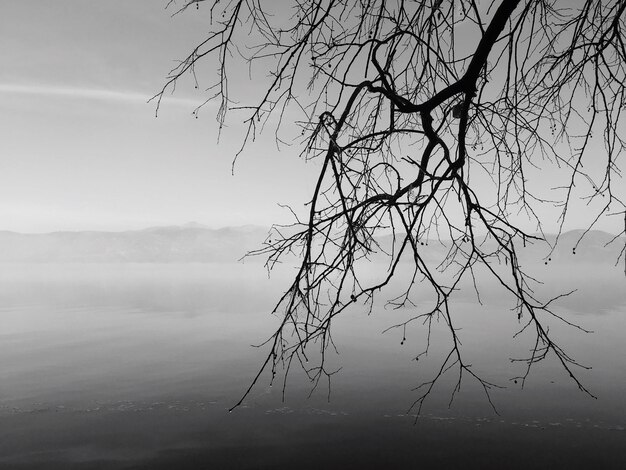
[431, 120]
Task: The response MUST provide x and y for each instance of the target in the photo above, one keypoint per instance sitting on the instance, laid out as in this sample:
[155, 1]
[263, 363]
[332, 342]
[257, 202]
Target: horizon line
[193, 224]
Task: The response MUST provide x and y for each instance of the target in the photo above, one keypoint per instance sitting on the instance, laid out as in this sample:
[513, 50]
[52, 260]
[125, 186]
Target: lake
[134, 366]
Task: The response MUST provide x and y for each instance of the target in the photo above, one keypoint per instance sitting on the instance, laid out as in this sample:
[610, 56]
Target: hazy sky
[81, 149]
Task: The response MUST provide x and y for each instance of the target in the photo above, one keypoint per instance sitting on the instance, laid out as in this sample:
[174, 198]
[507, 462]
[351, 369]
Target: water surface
[135, 366]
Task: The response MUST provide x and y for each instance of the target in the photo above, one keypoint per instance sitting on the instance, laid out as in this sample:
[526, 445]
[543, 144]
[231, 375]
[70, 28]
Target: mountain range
[194, 242]
[187, 243]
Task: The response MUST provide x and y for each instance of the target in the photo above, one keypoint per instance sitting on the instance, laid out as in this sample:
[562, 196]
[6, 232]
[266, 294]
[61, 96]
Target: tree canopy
[432, 121]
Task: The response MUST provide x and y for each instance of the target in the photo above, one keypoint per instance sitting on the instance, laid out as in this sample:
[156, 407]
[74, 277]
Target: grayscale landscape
[312, 234]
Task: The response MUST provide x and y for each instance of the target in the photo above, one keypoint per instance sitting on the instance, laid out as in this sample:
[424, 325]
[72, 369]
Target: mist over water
[135, 365]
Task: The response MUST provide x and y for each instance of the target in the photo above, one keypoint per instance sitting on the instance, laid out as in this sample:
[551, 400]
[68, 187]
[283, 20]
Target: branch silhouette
[431, 121]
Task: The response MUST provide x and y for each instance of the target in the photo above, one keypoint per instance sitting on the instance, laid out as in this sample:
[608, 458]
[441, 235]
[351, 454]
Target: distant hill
[595, 246]
[194, 242]
[188, 243]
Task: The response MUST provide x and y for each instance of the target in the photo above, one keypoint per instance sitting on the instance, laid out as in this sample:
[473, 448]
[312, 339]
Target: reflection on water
[134, 366]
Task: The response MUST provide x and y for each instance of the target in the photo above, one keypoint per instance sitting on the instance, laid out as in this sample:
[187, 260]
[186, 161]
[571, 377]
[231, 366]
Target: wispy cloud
[89, 94]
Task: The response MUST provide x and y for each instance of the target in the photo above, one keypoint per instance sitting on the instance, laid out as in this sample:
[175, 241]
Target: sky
[80, 147]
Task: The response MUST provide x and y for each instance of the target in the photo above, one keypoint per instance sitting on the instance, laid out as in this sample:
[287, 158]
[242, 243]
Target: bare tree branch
[429, 119]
